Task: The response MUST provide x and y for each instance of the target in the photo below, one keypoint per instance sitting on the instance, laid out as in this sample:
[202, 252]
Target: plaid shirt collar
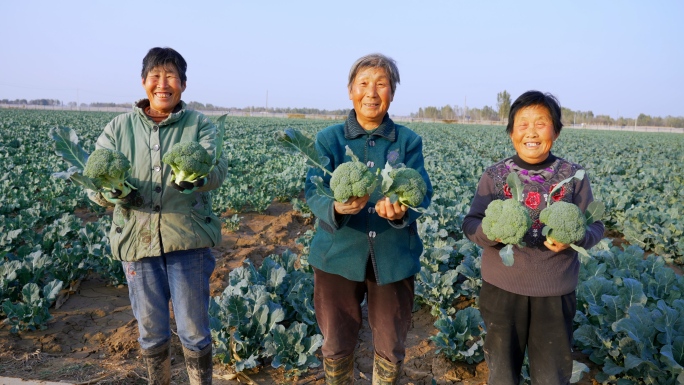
[386, 129]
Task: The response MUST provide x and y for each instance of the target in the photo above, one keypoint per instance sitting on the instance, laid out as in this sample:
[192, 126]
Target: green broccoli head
[108, 170]
[565, 221]
[351, 179]
[189, 161]
[506, 220]
[408, 185]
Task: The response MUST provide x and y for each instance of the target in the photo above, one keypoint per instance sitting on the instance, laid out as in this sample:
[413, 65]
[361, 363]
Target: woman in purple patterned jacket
[531, 304]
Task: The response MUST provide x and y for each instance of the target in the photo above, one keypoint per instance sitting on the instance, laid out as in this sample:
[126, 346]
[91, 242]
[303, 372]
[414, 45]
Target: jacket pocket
[210, 226]
[122, 237]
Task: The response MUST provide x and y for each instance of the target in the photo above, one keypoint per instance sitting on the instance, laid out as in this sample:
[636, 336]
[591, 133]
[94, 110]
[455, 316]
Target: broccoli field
[629, 327]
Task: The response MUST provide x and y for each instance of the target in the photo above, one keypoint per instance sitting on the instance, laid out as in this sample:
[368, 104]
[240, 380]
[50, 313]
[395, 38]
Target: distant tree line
[447, 112]
[273, 110]
[35, 102]
[570, 117]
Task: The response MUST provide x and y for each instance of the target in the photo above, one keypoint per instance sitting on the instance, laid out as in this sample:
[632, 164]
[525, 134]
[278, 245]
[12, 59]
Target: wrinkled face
[371, 94]
[533, 134]
[164, 88]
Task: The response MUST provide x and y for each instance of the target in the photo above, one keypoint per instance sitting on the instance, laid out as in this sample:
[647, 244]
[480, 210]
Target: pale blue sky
[610, 57]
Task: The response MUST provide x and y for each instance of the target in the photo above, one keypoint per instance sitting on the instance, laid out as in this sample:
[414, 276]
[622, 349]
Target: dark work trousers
[514, 322]
[338, 311]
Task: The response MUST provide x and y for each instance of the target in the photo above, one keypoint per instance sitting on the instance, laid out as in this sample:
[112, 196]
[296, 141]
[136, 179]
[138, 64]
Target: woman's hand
[388, 210]
[556, 246]
[352, 206]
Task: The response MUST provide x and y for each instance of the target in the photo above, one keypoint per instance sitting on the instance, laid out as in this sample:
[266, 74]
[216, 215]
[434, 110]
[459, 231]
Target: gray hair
[376, 60]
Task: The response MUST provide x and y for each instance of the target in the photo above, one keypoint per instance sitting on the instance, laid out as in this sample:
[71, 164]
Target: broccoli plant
[103, 170]
[507, 221]
[354, 178]
[108, 169]
[403, 184]
[565, 222]
[350, 179]
[189, 161]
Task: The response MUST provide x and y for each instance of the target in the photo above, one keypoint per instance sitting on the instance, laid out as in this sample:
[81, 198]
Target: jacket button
[155, 147]
[157, 168]
[157, 208]
[207, 219]
[155, 128]
[119, 230]
[370, 163]
[157, 189]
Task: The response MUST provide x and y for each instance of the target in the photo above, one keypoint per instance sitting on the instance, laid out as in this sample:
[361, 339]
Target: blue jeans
[183, 278]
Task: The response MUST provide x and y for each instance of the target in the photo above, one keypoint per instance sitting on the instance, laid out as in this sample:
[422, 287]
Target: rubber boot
[158, 362]
[339, 371]
[385, 372]
[200, 366]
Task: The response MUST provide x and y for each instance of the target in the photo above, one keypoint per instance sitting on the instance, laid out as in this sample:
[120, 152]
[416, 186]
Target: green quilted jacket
[160, 218]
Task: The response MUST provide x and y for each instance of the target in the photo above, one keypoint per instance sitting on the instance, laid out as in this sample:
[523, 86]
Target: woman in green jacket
[161, 231]
[367, 246]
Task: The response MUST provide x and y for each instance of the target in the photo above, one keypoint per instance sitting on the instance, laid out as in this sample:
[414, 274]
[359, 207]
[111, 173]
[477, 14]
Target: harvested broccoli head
[108, 170]
[565, 221]
[506, 220]
[189, 161]
[408, 185]
[351, 179]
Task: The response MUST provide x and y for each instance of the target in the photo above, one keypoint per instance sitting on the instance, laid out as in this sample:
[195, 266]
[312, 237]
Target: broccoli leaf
[595, 211]
[580, 249]
[292, 139]
[515, 185]
[578, 175]
[66, 146]
[220, 133]
[321, 188]
[350, 153]
[507, 255]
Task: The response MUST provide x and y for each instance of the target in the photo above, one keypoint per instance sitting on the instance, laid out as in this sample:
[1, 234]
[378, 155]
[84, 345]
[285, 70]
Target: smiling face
[371, 94]
[164, 88]
[533, 134]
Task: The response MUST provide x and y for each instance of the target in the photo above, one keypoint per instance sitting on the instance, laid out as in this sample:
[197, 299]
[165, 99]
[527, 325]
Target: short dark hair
[536, 98]
[158, 56]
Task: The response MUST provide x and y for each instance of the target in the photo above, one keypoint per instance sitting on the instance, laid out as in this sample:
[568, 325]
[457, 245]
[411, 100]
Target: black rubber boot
[385, 372]
[339, 371]
[158, 362]
[200, 366]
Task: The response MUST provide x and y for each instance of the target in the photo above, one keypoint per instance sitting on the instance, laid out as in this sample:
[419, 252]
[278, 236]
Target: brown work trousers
[338, 311]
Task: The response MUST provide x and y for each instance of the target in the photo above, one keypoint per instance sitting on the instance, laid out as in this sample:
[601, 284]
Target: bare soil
[92, 338]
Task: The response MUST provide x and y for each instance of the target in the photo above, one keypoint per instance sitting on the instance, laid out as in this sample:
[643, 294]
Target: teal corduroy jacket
[343, 245]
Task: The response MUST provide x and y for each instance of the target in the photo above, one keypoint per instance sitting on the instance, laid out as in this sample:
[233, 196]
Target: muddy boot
[339, 371]
[158, 362]
[200, 366]
[385, 372]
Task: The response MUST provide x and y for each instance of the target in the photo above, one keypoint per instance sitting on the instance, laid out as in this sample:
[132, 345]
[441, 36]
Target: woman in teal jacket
[367, 246]
[163, 232]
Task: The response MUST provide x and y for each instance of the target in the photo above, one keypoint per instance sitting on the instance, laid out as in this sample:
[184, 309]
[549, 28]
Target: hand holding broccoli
[108, 170]
[190, 164]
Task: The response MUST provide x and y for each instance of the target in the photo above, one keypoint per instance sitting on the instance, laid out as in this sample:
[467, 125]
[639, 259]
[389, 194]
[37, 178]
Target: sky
[616, 58]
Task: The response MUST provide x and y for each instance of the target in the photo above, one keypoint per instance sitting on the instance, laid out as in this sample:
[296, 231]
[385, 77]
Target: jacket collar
[178, 111]
[386, 129]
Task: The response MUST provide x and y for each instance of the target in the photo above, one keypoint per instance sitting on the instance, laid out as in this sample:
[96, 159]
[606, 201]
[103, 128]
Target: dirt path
[92, 337]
